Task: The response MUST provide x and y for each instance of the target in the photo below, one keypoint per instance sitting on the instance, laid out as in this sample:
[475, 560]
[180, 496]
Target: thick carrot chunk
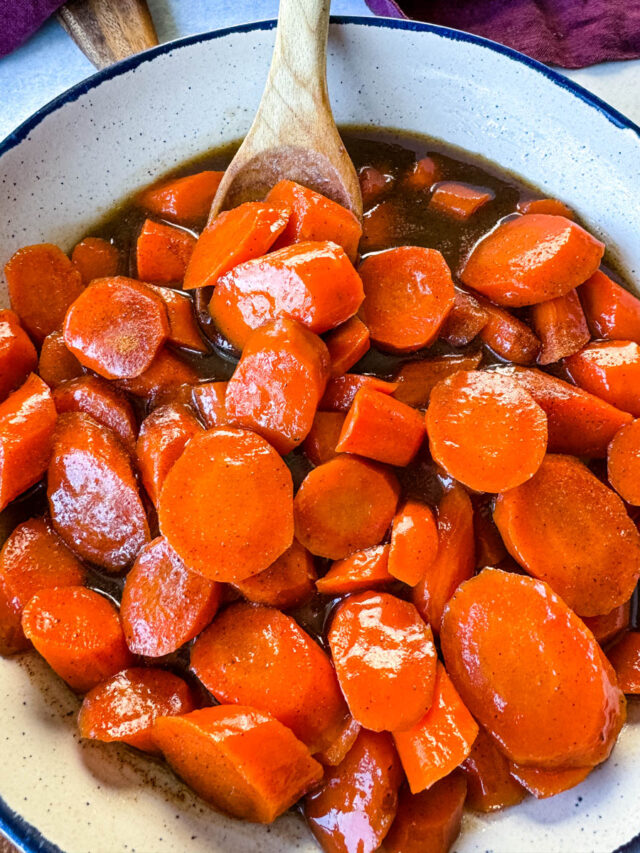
[320, 443]
[543, 783]
[414, 542]
[625, 659]
[183, 327]
[341, 390]
[164, 376]
[561, 326]
[623, 462]
[381, 225]
[508, 337]
[373, 184]
[550, 206]
[95, 258]
[417, 379]
[490, 785]
[78, 633]
[608, 626]
[288, 582]
[163, 252]
[361, 571]
[209, 398]
[612, 312]
[18, 356]
[240, 760]
[465, 321]
[56, 363]
[424, 173]
[531, 259]
[337, 752]
[460, 201]
[105, 404]
[610, 370]
[186, 201]
[347, 344]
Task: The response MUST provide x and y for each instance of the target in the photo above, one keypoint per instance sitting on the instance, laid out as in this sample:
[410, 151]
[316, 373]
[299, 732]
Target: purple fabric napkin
[20, 18]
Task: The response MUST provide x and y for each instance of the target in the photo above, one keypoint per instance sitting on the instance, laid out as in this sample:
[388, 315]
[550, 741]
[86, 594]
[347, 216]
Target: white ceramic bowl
[106, 137]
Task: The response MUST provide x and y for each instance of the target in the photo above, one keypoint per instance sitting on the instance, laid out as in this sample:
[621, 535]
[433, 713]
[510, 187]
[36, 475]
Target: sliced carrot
[314, 217]
[288, 582]
[341, 390]
[56, 363]
[490, 548]
[455, 560]
[33, 558]
[408, 294]
[531, 259]
[385, 660]
[234, 236]
[166, 374]
[361, 571]
[510, 678]
[490, 785]
[124, 707]
[355, 805]
[209, 400]
[543, 783]
[164, 605]
[608, 626]
[320, 443]
[94, 257]
[550, 206]
[465, 321]
[337, 751]
[226, 506]
[183, 327]
[78, 633]
[258, 656]
[379, 427]
[422, 176]
[163, 252]
[625, 659]
[611, 371]
[18, 356]
[440, 740]
[345, 505]
[313, 283]
[381, 226]
[103, 402]
[27, 421]
[561, 326]
[428, 822]
[486, 430]
[278, 383]
[414, 542]
[373, 184]
[184, 200]
[567, 528]
[508, 337]
[42, 285]
[459, 201]
[240, 760]
[93, 495]
[416, 379]
[347, 344]
[612, 312]
[623, 462]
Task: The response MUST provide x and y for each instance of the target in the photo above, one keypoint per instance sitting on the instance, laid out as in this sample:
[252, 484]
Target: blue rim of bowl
[25, 836]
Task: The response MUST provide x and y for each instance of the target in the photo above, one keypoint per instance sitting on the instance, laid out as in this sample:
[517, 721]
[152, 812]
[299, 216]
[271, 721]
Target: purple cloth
[20, 18]
[569, 33]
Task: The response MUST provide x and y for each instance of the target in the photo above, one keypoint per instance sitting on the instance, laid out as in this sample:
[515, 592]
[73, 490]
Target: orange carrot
[361, 571]
[93, 495]
[78, 633]
[320, 443]
[103, 402]
[408, 294]
[258, 656]
[373, 184]
[183, 200]
[183, 327]
[337, 752]
[42, 285]
[345, 505]
[422, 176]
[18, 356]
[531, 259]
[508, 337]
[416, 379]
[94, 257]
[608, 626]
[347, 344]
[625, 659]
[341, 390]
[414, 542]
[490, 786]
[465, 321]
[623, 462]
[124, 707]
[288, 582]
[234, 236]
[543, 783]
[611, 371]
[382, 225]
[561, 326]
[612, 312]
[226, 505]
[490, 548]
[164, 377]
[56, 363]
[163, 252]
[27, 420]
[551, 206]
[459, 201]
[209, 400]
[164, 605]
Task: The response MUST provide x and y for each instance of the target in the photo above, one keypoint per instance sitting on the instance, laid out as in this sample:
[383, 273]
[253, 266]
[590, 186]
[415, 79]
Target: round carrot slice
[408, 294]
[530, 672]
[56, 363]
[116, 327]
[226, 506]
[610, 370]
[288, 582]
[567, 528]
[345, 505]
[486, 430]
[623, 462]
[94, 257]
[490, 785]
[385, 660]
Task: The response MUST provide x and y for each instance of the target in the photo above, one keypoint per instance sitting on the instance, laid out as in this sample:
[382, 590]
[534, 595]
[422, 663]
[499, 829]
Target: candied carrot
[551, 206]
[625, 659]
[288, 582]
[417, 379]
[165, 375]
[608, 626]
[103, 402]
[623, 462]
[56, 363]
[347, 344]
[94, 257]
[186, 201]
[18, 356]
[337, 751]
[373, 184]
[561, 326]
[543, 783]
[361, 571]
[422, 176]
[163, 252]
[381, 225]
[611, 371]
[459, 201]
[465, 321]
[183, 327]
[490, 785]
[507, 336]
[612, 312]
[341, 390]
[320, 443]
[209, 400]
[414, 542]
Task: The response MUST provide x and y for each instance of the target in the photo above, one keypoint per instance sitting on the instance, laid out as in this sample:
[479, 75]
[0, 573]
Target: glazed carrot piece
[455, 559]
[164, 434]
[313, 283]
[183, 327]
[490, 785]
[361, 571]
[258, 656]
[238, 496]
[105, 404]
[417, 379]
[163, 252]
[355, 805]
[385, 660]
[373, 184]
[320, 443]
[486, 430]
[42, 285]
[567, 528]
[116, 327]
[490, 548]
[164, 605]
[56, 363]
[337, 752]
[166, 374]
[438, 742]
[78, 633]
[465, 321]
[608, 626]
[124, 707]
[33, 558]
[625, 659]
[234, 236]
[544, 783]
[414, 542]
[186, 201]
[408, 294]
[347, 344]
[314, 217]
[531, 259]
[239, 759]
[93, 494]
[508, 337]
[288, 582]
[423, 175]
[550, 206]
[381, 226]
[611, 371]
[612, 312]
[27, 421]
[509, 678]
[379, 427]
[18, 356]
[209, 400]
[623, 462]
[561, 326]
[341, 390]
[345, 505]
[428, 822]
[94, 257]
[459, 201]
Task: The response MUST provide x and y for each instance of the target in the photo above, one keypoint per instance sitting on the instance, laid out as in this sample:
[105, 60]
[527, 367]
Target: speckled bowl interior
[96, 144]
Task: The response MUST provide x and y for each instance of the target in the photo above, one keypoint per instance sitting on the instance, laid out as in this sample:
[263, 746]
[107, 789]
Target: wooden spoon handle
[106, 31]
